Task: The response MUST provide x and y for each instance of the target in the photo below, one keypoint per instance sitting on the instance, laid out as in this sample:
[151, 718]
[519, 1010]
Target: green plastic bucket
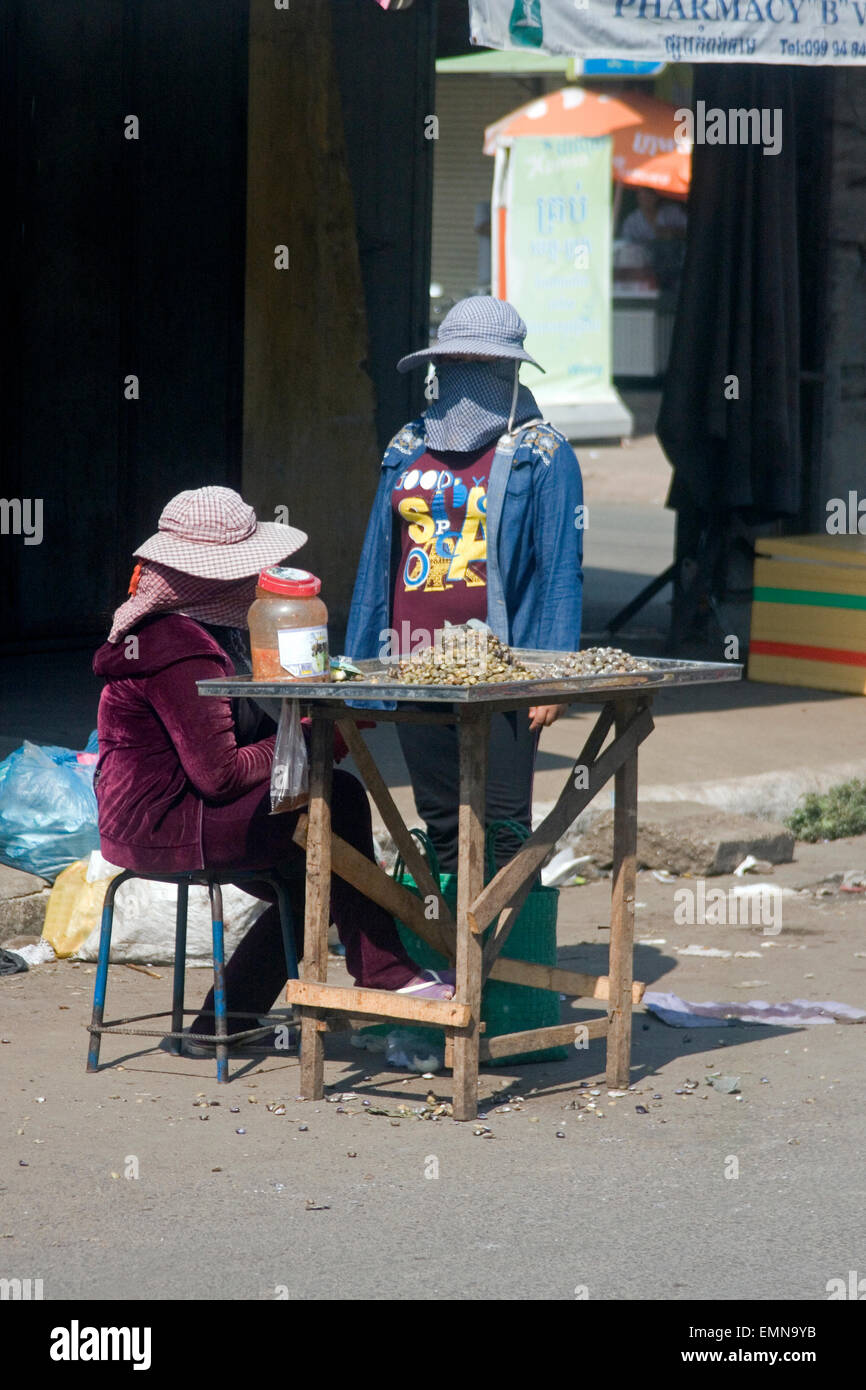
[505, 1008]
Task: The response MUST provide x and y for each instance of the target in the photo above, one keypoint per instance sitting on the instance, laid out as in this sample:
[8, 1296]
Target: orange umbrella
[646, 153]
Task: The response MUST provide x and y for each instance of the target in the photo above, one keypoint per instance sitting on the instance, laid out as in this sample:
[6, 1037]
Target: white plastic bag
[290, 774]
[144, 920]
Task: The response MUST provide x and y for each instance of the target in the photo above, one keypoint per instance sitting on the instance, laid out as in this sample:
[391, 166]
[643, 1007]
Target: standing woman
[475, 517]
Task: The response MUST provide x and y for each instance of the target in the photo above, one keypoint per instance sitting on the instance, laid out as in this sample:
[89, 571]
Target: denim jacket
[534, 543]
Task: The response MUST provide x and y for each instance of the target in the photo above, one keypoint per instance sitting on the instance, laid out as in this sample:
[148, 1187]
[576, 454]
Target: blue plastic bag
[48, 816]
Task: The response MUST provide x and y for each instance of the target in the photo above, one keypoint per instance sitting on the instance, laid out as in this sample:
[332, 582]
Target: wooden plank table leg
[400, 833]
[473, 735]
[317, 912]
[622, 913]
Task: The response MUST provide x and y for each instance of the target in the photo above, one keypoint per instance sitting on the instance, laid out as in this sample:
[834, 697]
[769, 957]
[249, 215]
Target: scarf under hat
[474, 404]
[156, 588]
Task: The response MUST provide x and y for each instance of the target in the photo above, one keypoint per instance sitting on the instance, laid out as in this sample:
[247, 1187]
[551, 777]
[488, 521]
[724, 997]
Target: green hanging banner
[552, 259]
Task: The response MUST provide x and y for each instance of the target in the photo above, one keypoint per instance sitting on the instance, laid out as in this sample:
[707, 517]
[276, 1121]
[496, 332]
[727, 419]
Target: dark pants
[431, 754]
[244, 835]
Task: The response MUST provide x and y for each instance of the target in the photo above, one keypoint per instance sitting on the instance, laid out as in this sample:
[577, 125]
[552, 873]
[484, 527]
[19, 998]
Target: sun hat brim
[477, 347]
[269, 543]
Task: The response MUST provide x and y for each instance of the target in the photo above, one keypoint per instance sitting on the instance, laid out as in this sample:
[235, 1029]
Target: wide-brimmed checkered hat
[212, 533]
[484, 326]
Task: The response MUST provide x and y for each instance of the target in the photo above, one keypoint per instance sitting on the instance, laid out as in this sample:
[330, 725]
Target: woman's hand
[542, 715]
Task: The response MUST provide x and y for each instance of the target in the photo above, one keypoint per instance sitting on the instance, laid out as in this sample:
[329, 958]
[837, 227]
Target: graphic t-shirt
[440, 504]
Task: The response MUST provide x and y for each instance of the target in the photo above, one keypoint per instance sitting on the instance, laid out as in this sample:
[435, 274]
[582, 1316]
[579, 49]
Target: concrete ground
[705, 1196]
[122, 1185]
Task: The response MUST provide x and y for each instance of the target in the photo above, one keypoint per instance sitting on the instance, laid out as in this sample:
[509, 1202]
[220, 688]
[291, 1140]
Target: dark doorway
[122, 257]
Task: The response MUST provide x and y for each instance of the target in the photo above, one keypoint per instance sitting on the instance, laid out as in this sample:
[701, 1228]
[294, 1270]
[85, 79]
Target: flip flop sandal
[431, 987]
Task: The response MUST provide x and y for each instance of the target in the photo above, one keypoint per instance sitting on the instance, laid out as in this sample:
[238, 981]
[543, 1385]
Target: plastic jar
[288, 627]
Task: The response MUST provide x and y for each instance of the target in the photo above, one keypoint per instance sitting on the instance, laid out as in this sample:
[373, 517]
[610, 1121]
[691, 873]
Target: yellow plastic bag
[74, 909]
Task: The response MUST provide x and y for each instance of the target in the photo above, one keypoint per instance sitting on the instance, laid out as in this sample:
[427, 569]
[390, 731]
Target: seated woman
[183, 782]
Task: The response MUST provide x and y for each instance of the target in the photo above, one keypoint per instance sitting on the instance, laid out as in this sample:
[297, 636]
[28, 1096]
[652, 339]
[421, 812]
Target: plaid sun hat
[480, 325]
[212, 533]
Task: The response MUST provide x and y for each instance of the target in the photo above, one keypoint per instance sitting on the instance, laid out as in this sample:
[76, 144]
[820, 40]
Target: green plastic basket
[505, 1008]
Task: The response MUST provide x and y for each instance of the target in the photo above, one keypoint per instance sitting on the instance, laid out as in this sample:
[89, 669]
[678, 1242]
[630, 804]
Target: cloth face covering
[474, 403]
[160, 589]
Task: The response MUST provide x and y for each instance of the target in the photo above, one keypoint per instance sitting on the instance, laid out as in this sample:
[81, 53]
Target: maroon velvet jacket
[165, 752]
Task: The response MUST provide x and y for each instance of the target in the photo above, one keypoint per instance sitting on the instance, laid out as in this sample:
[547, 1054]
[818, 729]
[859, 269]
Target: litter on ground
[798, 1013]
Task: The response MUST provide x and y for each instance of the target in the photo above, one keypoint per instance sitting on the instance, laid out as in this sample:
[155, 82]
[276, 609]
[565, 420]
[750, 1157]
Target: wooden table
[610, 751]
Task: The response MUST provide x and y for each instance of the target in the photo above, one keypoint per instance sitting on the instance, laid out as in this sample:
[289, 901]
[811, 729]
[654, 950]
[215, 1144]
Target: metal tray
[662, 673]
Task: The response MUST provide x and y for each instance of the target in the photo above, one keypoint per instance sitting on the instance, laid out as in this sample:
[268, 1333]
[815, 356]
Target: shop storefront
[762, 415]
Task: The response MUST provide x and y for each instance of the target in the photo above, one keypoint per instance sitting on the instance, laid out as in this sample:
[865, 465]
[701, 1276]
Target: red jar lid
[282, 579]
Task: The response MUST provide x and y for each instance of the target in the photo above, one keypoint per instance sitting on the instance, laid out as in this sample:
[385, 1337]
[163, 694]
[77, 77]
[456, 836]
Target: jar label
[303, 651]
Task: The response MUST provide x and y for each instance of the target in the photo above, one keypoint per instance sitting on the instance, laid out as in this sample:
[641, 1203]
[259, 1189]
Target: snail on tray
[469, 656]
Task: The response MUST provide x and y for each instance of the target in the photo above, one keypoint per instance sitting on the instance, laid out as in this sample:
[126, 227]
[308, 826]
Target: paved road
[628, 1205]
[624, 547]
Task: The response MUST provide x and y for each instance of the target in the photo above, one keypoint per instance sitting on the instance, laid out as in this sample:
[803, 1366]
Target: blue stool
[213, 881]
